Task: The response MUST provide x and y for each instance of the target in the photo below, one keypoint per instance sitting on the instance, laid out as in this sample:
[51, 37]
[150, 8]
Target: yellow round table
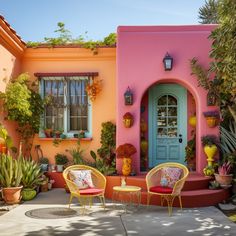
[128, 194]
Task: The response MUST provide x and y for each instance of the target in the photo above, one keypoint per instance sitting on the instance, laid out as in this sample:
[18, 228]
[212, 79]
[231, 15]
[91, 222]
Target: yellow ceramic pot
[210, 151]
[192, 121]
[127, 166]
[144, 145]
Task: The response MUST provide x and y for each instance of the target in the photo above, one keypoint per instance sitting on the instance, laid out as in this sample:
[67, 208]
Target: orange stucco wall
[9, 68]
[61, 60]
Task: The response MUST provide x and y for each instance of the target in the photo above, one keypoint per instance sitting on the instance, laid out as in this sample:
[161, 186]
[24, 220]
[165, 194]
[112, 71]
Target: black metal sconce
[168, 62]
[128, 96]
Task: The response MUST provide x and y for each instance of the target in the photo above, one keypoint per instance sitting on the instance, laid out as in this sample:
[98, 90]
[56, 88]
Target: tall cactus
[10, 171]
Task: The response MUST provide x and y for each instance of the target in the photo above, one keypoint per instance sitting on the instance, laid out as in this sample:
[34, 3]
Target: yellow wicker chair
[153, 178]
[86, 196]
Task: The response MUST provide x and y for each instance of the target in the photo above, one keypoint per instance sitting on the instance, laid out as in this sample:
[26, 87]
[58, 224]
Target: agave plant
[228, 138]
[31, 173]
[10, 171]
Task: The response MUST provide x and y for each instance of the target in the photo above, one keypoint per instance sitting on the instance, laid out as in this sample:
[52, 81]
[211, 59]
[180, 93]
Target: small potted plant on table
[61, 160]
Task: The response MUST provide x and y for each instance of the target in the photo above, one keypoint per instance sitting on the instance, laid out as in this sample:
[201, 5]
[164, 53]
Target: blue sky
[35, 19]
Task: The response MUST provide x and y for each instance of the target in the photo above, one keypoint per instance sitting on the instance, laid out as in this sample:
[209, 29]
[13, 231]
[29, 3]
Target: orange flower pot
[211, 121]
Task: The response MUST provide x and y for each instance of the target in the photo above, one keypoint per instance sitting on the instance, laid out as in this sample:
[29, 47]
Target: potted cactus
[10, 179]
[31, 178]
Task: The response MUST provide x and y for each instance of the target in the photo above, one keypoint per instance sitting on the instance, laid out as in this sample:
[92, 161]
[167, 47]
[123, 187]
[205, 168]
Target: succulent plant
[10, 171]
[31, 174]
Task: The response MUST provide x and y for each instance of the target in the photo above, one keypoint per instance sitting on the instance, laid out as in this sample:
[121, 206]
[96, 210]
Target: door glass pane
[172, 100]
[167, 122]
[172, 132]
[172, 111]
[162, 100]
[172, 122]
[161, 132]
[161, 111]
[161, 122]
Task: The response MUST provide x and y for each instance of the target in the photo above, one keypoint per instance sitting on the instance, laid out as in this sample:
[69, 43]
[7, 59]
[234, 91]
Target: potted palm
[31, 178]
[10, 179]
[61, 160]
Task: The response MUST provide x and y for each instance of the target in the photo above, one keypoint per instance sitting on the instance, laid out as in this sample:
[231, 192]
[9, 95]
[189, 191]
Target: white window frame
[69, 134]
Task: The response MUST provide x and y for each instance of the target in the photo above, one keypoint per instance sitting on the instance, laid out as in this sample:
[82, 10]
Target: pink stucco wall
[140, 51]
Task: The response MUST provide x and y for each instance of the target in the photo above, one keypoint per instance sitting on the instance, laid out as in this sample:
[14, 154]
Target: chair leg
[71, 197]
[102, 199]
[162, 200]
[90, 202]
[170, 201]
[180, 202]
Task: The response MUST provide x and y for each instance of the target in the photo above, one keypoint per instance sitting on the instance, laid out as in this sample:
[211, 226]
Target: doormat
[52, 213]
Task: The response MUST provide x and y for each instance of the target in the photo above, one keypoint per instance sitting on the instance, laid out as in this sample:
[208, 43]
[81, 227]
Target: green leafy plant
[61, 159]
[108, 142]
[31, 173]
[210, 140]
[4, 135]
[190, 149]
[77, 155]
[24, 105]
[65, 38]
[10, 171]
[208, 14]
[228, 138]
[101, 165]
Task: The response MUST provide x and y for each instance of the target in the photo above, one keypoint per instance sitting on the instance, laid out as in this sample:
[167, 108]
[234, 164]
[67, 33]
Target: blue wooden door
[167, 127]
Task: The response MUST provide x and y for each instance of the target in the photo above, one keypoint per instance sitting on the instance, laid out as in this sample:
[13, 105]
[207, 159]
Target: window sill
[66, 139]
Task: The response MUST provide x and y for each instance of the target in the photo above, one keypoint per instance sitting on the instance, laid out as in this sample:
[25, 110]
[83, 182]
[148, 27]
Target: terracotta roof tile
[11, 29]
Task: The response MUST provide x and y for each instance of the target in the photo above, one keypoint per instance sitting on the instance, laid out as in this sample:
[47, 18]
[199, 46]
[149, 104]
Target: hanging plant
[94, 88]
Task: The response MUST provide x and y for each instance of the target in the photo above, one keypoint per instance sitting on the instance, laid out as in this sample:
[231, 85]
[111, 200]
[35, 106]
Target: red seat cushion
[90, 191]
[160, 189]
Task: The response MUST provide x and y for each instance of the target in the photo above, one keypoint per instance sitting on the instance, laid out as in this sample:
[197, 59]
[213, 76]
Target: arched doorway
[165, 109]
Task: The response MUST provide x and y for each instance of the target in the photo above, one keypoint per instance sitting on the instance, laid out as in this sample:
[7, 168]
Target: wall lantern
[168, 62]
[128, 95]
[128, 120]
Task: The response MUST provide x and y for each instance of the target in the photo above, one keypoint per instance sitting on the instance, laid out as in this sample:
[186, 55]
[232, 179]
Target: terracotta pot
[224, 180]
[210, 151]
[127, 166]
[12, 195]
[211, 121]
[192, 121]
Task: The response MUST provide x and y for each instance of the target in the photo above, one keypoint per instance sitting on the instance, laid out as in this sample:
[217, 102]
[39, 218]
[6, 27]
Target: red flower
[125, 150]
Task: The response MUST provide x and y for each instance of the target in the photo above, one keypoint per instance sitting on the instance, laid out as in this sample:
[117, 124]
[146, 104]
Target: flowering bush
[125, 150]
[211, 114]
